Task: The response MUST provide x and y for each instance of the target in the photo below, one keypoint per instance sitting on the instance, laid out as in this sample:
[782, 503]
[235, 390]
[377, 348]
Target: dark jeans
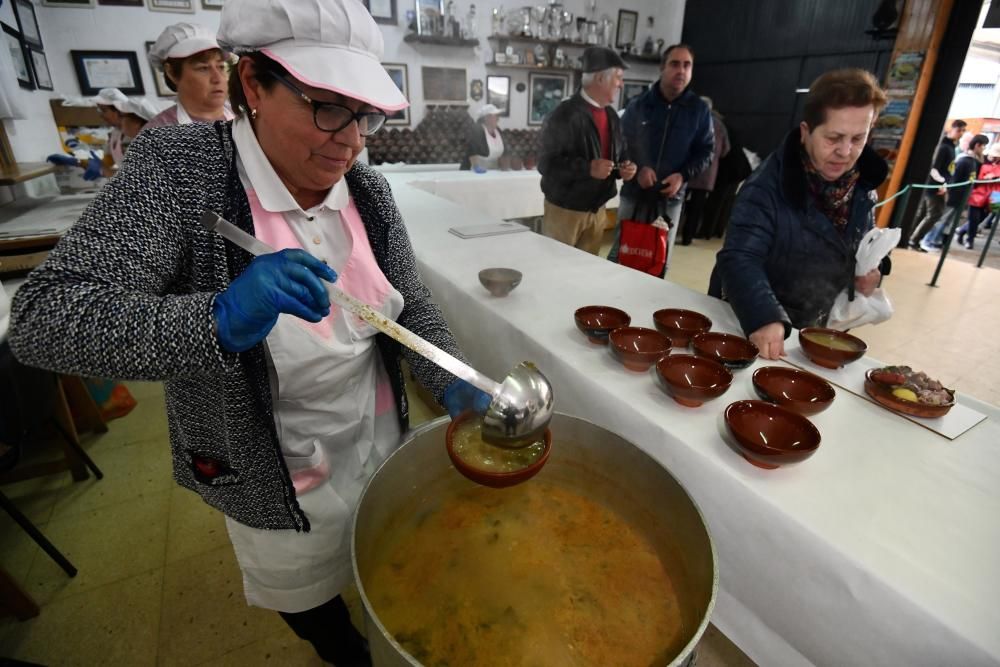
[930, 210]
[969, 229]
[693, 215]
[329, 629]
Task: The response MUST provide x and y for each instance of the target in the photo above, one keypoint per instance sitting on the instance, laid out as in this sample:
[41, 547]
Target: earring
[253, 114]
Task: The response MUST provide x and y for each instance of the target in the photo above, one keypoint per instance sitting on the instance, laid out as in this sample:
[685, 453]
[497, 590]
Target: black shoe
[916, 246]
[685, 241]
[961, 239]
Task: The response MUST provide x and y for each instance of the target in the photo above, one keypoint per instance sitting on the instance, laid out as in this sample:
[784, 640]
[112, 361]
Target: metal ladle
[521, 405]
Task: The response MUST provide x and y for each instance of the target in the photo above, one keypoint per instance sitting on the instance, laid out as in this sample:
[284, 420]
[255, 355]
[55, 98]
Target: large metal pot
[590, 460]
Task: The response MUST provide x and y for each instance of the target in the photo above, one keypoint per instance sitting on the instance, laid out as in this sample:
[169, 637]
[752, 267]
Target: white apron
[115, 146]
[335, 415]
[495, 145]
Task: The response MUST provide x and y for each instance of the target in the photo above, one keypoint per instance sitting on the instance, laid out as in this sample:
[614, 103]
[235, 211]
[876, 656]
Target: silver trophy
[538, 22]
[498, 21]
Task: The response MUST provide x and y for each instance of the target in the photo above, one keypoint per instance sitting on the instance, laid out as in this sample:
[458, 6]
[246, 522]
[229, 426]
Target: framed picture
[498, 93]
[108, 69]
[383, 11]
[179, 6]
[82, 4]
[19, 54]
[212, 4]
[545, 92]
[24, 12]
[123, 3]
[428, 14]
[627, 22]
[443, 84]
[397, 72]
[40, 68]
[632, 88]
[159, 78]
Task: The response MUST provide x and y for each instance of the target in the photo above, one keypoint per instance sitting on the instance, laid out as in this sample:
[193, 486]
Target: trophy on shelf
[553, 20]
[541, 59]
[498, 21]
[592, 33]
[566, 31]
[525, 23]
[538, 22]
[606, 35]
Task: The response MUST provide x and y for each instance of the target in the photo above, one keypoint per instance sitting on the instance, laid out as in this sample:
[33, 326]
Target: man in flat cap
[583, 153]
[669, 133]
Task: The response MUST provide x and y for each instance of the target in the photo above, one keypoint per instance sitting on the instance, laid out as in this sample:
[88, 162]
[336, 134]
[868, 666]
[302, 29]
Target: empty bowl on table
[729, 350]
[799, 391]
[637, 347]
[500, 282]
[680, 325]
[692, 380]
[769, 436]
[596, 322]
[831, 348]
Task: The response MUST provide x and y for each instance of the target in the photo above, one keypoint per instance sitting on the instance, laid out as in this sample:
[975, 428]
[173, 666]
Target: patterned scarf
[832, 197]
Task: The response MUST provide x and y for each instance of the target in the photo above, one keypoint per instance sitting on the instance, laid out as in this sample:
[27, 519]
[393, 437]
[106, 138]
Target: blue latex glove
[461, 396]
[63, 160]
[280, 282]
[93, 171]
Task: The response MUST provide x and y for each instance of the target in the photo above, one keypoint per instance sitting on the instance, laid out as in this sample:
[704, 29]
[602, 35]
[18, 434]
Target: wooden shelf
[24, 171]
[533, 40]
[647, 60]
[534, 67]
[439, 40]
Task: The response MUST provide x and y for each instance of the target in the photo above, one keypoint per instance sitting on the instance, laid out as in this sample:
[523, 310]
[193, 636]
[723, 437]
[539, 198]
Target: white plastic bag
[873, 309]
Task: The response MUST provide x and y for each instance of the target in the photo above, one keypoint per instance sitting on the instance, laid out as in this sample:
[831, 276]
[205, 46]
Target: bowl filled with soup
[830, 348]
[488, 464]
[602, 558]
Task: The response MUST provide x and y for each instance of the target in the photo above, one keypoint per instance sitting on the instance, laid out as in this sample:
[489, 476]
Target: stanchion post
[952, 226]
[989, 238]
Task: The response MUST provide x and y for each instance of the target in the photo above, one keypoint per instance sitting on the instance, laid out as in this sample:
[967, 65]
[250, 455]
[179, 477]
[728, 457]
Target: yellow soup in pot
[831, 341]
[534, 574]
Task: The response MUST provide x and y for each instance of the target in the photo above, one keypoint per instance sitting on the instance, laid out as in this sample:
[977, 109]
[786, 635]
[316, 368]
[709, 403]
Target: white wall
[128, 28]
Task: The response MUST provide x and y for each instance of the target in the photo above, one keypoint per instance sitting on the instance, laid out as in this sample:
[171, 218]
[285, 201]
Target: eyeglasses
[331, 117]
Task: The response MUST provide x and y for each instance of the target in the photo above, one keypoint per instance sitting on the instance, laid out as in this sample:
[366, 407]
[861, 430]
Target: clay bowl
[769, 436]
[733, 352]
[679, 325]
[637, 347]
[793, 389]
[500, 282]
[826, 356]
[596, 322]
[692, 380]
[497, 480]
[882, 394]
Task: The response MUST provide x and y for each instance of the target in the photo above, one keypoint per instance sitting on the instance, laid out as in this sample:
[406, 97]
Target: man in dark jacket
[582, 154]
[966, 168]
[799, 218]
[932, 203]
[669, 134]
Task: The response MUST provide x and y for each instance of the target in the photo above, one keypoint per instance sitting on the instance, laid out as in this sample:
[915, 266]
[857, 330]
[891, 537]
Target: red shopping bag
[643, 246]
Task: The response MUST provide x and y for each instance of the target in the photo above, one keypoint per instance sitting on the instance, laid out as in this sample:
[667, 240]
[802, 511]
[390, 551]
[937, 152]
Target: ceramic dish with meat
[906, 390]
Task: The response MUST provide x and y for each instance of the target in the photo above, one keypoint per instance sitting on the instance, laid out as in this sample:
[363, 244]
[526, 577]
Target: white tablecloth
[881, 549]
[501, 194]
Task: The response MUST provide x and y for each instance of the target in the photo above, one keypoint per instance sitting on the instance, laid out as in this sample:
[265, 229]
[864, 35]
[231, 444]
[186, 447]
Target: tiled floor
[158, 583]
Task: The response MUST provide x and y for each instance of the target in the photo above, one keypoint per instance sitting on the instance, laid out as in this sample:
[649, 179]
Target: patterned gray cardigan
[127, 293]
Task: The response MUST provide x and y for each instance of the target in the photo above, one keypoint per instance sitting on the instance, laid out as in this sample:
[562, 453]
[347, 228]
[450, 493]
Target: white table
[500, 194]
[881, 549]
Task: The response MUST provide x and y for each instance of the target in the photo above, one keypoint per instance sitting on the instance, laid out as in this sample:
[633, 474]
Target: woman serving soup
[280, 406]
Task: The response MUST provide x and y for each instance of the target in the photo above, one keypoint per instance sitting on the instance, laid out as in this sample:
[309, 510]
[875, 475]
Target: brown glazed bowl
[830, 357]
[679, 324]
[770, 436]
[882, 394]
[731, 351]
[637, 347]
[799, 391]
[500, 281]
[596, 322]
[692, 380]
[496, 480]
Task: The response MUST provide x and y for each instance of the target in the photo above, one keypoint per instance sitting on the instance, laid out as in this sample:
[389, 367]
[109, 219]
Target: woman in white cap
[195, 68]
[280, 406]
[484, 140]
[135, 114]
[110, 102]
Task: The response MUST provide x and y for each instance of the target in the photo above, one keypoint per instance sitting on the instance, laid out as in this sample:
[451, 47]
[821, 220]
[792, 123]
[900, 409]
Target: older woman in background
[484, 140]
[195, 67]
